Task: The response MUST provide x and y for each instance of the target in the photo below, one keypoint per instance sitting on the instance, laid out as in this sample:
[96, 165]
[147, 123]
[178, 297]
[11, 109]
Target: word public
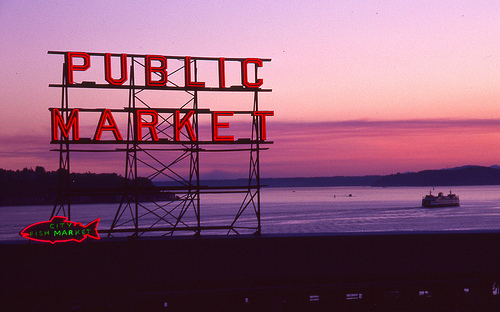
[155, 69]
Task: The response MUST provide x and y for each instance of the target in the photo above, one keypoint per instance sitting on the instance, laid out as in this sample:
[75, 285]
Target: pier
[446, 271]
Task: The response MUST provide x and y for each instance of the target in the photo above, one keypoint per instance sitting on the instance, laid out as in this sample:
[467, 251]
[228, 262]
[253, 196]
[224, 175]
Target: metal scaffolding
[175, 162]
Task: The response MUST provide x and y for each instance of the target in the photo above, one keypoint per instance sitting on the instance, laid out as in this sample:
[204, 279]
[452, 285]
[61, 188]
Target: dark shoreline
[38, 187]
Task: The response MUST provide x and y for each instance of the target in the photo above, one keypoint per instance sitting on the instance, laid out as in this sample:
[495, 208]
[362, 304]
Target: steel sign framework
[161, 144]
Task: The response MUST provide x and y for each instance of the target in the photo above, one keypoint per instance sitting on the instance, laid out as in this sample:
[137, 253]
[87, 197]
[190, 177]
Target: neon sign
[62, 130]
[59, 230]
[65, 121]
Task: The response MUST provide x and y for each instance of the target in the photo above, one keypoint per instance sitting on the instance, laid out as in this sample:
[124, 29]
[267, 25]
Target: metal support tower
[62, 205]
[176, 163]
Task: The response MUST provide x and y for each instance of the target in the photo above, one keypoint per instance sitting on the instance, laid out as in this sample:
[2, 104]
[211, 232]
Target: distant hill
[466, 175]
[39, 187]
[321, 181]
[291, 182]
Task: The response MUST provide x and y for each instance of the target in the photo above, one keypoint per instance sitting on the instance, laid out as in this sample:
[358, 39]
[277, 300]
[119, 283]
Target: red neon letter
[222, 72]
[262, 115]
[107, 70]
[187, 75]
[58, 122]
[72, 67]
[107, 116]
[151, 125]
[160, 70]
[178, 125]
[244, 73]
[216, 125]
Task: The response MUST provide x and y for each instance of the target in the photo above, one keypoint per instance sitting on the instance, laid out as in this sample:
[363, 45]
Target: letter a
[107, 116]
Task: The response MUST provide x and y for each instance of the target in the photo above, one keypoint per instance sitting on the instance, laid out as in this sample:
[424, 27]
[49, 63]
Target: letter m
[71, 123]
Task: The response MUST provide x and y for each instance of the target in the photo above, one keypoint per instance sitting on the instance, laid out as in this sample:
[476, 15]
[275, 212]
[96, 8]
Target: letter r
[151, 125]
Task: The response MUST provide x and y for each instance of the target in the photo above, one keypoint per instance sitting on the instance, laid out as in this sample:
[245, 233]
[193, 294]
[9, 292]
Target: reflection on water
[378, 209]
[312, 210]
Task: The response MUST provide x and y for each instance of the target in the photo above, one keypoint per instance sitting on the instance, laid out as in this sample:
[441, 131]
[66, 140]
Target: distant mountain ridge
[464, 175]
[295, 182]
[38, 187]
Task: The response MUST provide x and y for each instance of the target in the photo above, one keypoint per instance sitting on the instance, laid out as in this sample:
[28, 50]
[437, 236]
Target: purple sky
[359, 87]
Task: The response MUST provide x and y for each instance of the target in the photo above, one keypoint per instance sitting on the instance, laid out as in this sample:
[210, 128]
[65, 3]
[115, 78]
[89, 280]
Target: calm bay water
[312, 210]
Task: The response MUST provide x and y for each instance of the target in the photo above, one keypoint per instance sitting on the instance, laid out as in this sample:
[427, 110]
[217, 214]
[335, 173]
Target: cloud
[379, 127]
[355, 147]
[380, 147]
[20, 151]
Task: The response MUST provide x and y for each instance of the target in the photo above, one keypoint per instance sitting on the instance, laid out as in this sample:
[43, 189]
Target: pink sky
[359, 87]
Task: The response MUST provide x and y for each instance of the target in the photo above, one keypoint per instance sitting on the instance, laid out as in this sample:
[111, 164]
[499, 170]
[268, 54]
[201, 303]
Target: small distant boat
[440, 200]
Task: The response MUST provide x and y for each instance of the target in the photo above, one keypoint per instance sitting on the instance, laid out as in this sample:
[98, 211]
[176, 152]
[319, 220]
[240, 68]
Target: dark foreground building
[451, 271]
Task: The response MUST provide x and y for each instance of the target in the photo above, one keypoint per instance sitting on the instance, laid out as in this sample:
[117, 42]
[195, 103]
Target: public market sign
[155, 76]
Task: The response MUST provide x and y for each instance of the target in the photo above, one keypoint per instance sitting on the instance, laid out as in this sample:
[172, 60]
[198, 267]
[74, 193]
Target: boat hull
[438, 205]
[432, 201]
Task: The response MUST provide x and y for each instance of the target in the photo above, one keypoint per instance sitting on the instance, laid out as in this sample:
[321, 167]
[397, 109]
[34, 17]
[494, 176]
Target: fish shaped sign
[59, 230]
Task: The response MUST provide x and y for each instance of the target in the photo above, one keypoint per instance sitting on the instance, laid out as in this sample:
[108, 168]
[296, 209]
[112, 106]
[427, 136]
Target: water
[311, 210]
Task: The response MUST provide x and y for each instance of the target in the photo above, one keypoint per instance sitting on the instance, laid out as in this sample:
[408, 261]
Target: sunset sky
[359, 87]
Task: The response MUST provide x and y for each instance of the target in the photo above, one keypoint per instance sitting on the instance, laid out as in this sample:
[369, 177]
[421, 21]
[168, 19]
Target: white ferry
[449, 200]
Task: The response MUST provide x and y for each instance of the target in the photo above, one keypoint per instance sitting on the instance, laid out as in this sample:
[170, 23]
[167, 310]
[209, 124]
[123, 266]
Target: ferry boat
[449, 200]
